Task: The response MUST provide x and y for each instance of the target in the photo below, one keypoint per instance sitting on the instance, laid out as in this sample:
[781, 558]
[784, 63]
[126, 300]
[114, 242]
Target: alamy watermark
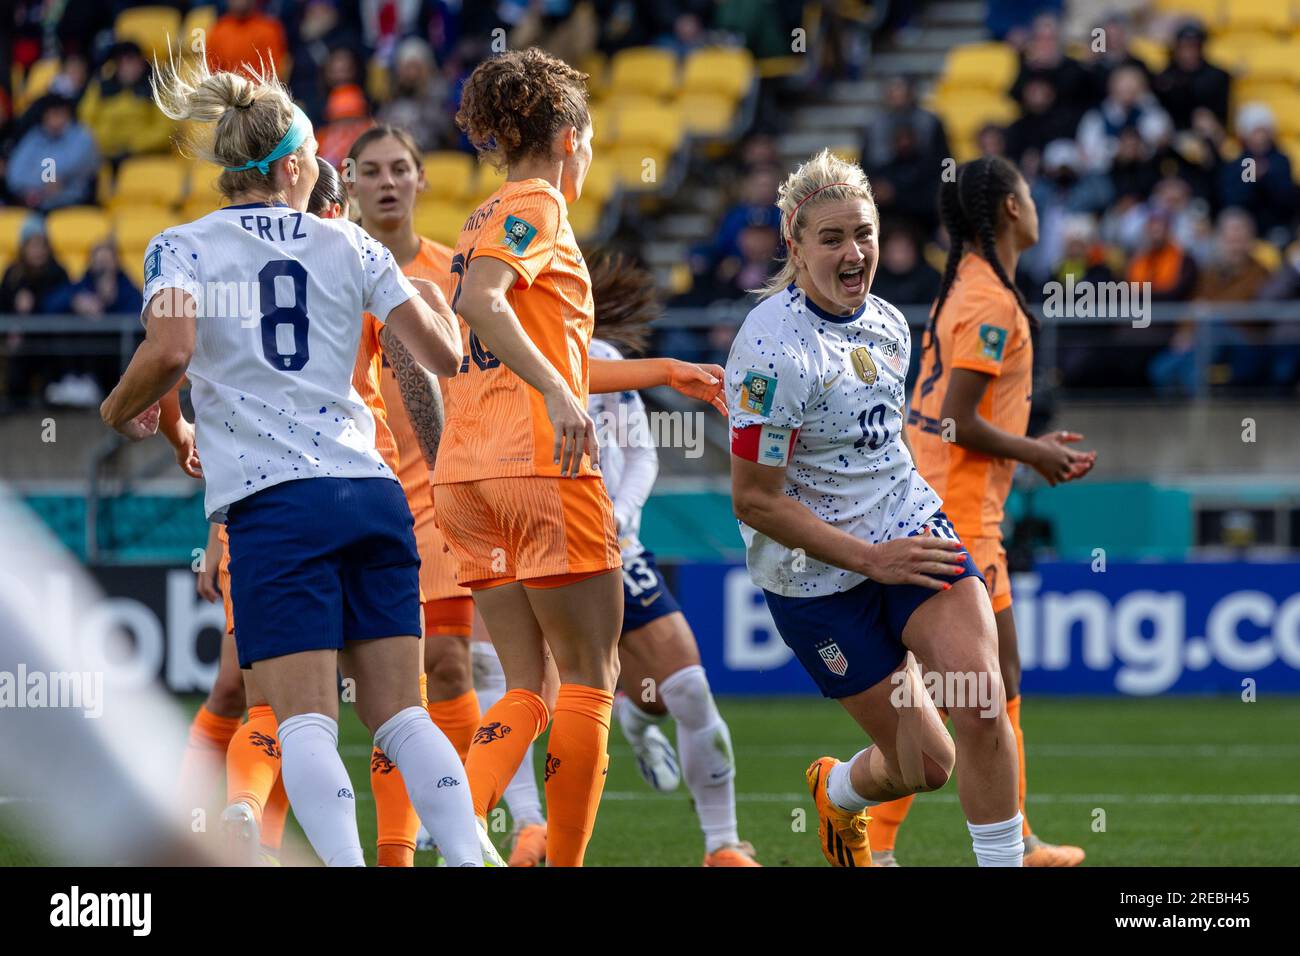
[1085, 299]
[950, 690]
[54, 689]
[663, 429]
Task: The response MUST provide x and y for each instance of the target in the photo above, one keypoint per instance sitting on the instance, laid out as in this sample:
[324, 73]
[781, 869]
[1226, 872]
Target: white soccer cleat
[241, 834]
[424, 840]
[657, 761]
[490, 855]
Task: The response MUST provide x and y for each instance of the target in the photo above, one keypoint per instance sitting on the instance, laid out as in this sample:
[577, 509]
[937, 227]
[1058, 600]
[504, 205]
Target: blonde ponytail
[251, 114]
[824, 178]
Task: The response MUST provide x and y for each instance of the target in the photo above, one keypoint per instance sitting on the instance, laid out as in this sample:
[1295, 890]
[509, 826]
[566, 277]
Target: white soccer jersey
[838, 380]
[629, 462]
[279, 297]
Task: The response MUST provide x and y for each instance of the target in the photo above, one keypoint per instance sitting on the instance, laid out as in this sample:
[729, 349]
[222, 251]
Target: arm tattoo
[420, 394]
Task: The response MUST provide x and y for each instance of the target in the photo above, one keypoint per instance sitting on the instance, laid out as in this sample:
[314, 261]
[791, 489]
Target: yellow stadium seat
[980, 66]
[727, 71]
[440, 221]
[150, 28]
[1208, 11]
[198, 19]
[600, 183]
[596, 66]
[655, 126]
[11, 225]
[1286, 111]
[1290, 146]
[198, 206]
[1229, 51]
[488, 181]
[963, 115]
[1154, 55]
[133, 228]
[1268, 15]
[151, 180]
[638, 168]
[203, 184]
[1275, 61]
[706, 114]
[604, 123]
[643, 70]
[73, 232]
[449, 175]
[38, 81]
[584, 217]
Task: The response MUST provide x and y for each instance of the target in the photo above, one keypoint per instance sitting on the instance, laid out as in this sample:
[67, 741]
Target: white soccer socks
[318, 788]
[435, 782]
[999, 844]
[704, 749]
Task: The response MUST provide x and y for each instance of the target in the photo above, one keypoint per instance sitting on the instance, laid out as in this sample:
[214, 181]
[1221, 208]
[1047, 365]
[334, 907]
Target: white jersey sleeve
[628, 457]
[386, 287]
[169, 263]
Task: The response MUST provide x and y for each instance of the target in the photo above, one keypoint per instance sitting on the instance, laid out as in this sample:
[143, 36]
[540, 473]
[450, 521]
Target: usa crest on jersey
[834, 659]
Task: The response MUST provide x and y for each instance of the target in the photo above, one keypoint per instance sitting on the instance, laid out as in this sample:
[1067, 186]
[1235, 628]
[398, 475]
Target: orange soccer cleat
[843, 835]
[1038, 853]
[736, 854]
[530, 846]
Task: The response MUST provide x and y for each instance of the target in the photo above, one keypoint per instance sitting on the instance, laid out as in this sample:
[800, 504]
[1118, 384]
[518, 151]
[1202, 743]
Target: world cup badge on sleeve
[756, 393]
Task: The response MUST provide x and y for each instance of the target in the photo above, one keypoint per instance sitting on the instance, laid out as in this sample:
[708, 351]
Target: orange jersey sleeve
[365, 379]
[497, 425]
[982, 329]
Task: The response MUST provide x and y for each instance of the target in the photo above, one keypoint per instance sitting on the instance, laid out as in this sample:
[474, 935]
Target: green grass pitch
[1180, 781]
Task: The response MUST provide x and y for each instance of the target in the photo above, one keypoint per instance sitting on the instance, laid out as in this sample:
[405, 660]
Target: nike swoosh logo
[646, 602]
[831, 381]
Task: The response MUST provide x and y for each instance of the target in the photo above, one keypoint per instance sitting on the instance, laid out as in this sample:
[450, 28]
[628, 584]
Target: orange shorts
[449, 616]
[223, 582]
[502, 530]
[991, 559]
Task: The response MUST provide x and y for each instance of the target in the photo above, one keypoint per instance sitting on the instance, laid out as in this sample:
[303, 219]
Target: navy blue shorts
[319, 561]
[851, 640]
[645, 596]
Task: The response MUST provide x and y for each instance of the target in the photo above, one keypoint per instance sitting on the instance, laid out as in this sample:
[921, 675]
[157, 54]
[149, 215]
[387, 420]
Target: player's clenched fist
[914, 560]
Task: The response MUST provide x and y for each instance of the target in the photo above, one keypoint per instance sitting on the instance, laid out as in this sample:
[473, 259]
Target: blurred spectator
[1114, 49]
[347, 116]
[33, 274]
[1010, 19]
[1083, 258]
[1058, 192]
[903, 277]
[765, 27]
[1039, 124]
[1189, 81]
[119, 110]
[1133, 168]
[104, 290]
[991, 140]
[757, 207]
[70, 82]
[78, 23]
[419, 102]
[1124, 225]
[245, 35]
[1163, 263]
[321, 29]
[1232, 275]
[385, 22]
[56, 162]
[900, 110]
[562, 28]
[1128, 105]
[1044, 58]
[1259, 180]
[906, 185]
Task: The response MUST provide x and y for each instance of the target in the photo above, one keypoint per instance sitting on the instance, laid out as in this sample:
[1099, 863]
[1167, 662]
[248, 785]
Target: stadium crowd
[1137, 171]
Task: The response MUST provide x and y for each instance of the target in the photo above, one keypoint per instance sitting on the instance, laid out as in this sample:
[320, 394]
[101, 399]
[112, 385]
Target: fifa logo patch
[863, 365]
[993, 341]
[757, 393]
[834, 659]
[518, 234]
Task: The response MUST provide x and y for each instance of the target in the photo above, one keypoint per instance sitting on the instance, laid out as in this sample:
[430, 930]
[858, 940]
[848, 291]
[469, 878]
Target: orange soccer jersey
[365, 379]
[437, 567]
[981, 328]
[497, 426]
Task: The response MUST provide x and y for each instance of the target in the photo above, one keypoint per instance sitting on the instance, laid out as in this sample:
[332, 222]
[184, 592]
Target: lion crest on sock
[490, 732]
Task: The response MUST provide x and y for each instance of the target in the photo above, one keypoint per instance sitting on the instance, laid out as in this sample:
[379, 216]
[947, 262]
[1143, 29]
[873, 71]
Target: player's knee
[226, 698]
[449, 670]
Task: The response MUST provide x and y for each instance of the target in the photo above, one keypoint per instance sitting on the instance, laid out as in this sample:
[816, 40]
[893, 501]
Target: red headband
[789, 223]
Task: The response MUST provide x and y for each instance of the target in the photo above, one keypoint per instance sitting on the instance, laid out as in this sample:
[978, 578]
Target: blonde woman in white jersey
[323, 557]
[857, 562]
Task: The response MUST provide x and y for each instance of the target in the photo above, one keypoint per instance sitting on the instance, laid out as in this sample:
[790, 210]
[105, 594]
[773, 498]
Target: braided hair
[968, 209]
